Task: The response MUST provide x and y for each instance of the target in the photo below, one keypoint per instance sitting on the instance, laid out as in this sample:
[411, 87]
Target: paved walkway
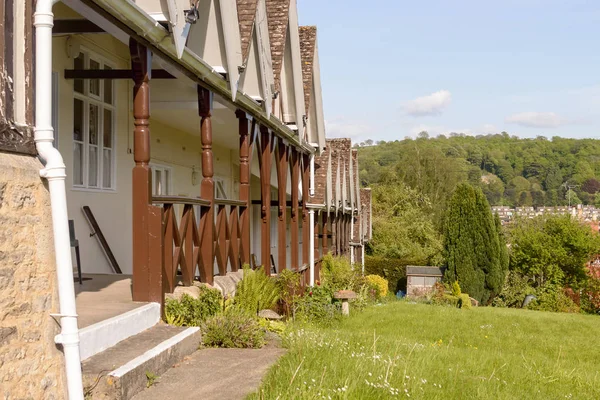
[219, 374]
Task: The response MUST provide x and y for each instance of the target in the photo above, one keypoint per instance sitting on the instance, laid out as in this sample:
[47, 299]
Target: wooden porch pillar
[334, 249]
[282, 168]
[207, 188]
[294, 228]
[244, 185]
[266, 147]
[305, 220]
[317, 231]
[325, 233]
[147, 220]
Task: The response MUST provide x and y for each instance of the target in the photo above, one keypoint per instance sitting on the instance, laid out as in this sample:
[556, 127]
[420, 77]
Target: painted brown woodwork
[207, 189]
[294, 227]
[111, 74]
[244, 185]
[145, 263]
[282, 169]
[305, 220]
[325, 233]
[266, 154]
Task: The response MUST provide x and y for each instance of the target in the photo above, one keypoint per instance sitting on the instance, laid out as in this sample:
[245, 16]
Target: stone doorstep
[119, 372]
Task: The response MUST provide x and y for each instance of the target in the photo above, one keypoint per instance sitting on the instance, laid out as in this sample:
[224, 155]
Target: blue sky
[391, 68]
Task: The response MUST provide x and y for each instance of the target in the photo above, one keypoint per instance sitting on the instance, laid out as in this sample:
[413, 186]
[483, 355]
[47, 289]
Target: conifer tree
[472, 245]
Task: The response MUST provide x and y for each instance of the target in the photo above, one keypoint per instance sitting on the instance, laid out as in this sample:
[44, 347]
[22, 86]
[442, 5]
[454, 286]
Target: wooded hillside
[510, 170]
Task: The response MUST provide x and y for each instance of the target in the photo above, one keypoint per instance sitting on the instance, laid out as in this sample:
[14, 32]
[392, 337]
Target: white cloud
[346, 128]
[533, 119]
[432, 104]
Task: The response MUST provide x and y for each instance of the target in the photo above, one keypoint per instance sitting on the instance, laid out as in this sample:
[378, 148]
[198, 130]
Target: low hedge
[392, 269]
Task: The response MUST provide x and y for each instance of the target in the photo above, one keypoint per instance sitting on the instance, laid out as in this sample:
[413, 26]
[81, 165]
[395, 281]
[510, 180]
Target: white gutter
[55, 172]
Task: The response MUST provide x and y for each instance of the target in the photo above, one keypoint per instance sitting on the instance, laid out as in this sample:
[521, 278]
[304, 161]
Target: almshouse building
[183, 139]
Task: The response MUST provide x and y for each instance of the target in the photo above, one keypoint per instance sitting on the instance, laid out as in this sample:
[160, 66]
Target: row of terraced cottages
[192, 132]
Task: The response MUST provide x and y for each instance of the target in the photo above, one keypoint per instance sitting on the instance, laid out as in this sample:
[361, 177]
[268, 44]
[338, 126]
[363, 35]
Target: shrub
[456, 289]
[392, 269]
[288, 284]
[516, 288]
[255, 292]
[233, 330]
[590, 298]
[277, 327]
[464, 301]
[337, 273]
[316, 306]
[189, 311]
[381, 284]
[552, 297]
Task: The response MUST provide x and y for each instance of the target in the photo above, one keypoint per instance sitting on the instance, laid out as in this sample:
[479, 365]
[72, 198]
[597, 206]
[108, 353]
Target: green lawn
[430, 352]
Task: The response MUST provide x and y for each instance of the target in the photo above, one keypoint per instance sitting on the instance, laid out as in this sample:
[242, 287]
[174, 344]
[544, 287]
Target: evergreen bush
[189, 311]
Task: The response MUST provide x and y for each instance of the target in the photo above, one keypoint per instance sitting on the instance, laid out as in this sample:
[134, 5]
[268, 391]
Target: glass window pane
[167, 181]
[93, 121]
[94, 83]
[78, 120]
[78, 164]
[93, 171]
[108, 86]
[158, 182]
[107, 129]
[107, 169]
[78, 64]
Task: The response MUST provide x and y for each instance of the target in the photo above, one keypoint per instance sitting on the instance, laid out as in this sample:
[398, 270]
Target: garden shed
[420, 280]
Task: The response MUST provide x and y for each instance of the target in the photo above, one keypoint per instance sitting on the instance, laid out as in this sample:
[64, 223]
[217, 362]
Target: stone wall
[31, 366]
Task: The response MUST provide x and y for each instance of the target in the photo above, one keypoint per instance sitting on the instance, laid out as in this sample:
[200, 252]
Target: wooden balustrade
[183, 237]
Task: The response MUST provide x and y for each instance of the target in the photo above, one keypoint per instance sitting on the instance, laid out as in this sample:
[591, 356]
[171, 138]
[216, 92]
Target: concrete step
[102, 335]
[125, 369]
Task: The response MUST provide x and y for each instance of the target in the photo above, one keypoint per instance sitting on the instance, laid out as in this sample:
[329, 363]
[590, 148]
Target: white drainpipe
[312, 175]
[55, 172]
[311, 244]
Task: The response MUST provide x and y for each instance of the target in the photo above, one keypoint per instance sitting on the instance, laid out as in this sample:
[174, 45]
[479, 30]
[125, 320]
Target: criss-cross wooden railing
[228, 234]
[181, 241]
[183, 236]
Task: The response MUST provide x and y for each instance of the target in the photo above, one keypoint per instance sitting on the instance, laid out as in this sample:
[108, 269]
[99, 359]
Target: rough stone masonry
[31, 366]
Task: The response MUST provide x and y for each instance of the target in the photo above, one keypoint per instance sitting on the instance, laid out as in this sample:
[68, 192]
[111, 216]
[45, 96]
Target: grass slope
[428, 352]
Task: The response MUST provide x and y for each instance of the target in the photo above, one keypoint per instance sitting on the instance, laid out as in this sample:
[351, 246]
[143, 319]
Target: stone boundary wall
[31, 366]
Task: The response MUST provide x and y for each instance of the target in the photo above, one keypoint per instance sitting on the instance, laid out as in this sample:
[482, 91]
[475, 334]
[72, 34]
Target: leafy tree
[552, 249]
[472, 244]
[402, 225]
[572, 197]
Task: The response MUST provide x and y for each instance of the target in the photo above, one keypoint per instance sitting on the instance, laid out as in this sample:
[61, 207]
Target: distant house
[420, 280]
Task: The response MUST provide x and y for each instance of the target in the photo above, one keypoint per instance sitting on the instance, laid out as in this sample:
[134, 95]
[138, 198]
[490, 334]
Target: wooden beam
[207, 187]
[325, 233]
[75, 26]
[112, 74]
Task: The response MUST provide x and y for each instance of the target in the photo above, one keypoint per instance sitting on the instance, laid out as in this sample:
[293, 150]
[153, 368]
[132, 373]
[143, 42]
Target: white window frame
[89, 99]
[165, 184]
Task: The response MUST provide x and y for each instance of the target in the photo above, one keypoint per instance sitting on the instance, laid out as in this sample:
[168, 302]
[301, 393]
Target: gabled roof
[308, 36]
[278, 18]
[246, 16]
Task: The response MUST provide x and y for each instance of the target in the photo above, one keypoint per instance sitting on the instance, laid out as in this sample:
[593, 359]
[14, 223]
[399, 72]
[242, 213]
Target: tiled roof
[308, 36]
[246, 14]
[277, 18]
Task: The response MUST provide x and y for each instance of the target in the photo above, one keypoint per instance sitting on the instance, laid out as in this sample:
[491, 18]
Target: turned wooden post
[147, 261]
[325, 233]
[294, 227]
[305, 219]
[207, 188]
[244, 130]
[265, 204]
[282, 168]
